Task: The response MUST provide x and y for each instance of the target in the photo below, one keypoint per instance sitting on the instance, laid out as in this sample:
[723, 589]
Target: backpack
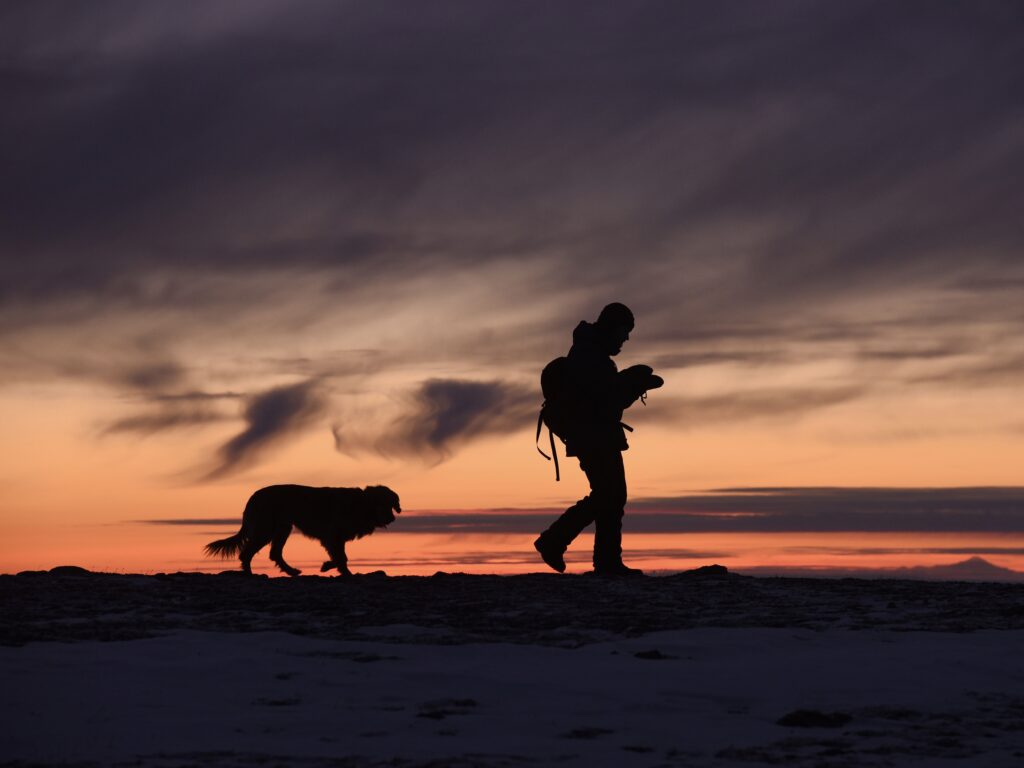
[560, 409]
[556, 412]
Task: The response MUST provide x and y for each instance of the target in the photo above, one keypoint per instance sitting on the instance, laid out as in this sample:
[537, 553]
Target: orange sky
[71, 496]
[341, 254]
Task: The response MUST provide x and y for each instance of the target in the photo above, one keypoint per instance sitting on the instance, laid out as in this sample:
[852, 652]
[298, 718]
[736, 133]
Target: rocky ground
[70, 604]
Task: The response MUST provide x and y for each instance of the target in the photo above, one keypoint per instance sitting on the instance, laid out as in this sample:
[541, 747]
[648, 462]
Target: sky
[334, 243]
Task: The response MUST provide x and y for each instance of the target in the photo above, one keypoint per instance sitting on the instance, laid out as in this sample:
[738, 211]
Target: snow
[712, 696]
[437, 687]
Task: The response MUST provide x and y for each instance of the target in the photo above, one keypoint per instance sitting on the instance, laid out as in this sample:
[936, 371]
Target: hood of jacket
[587, 335]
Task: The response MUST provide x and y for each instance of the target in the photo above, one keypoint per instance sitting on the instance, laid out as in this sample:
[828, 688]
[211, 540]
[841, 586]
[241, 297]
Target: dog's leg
[338, 559]
[248, 552]
[277, 550]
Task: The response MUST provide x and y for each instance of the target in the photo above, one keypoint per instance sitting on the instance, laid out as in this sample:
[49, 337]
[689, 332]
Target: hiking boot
[551, 553]
[616, 569]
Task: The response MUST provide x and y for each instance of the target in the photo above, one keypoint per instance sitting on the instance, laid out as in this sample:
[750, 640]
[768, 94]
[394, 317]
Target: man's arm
[595, 382]
[634, 382]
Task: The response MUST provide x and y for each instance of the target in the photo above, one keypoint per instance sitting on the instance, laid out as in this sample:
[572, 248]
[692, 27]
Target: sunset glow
[315, 258]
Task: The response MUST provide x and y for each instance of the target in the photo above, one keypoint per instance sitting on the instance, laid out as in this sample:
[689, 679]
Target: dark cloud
[158, 376]
[846, 509]
[825, 181]
[448, 412]
[159, 387]
[194, 397]
[772, 510]
[863, 141]
[857, 551]
[796, 510]
[967, 510]
[270, 416]
[130, 368]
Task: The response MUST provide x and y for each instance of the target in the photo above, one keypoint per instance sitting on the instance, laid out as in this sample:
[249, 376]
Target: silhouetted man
[600, 394]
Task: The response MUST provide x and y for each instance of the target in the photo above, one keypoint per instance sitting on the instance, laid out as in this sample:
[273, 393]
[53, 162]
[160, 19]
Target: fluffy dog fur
[333, 516]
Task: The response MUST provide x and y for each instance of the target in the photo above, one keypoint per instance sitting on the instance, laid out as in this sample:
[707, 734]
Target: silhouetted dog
[330, 515]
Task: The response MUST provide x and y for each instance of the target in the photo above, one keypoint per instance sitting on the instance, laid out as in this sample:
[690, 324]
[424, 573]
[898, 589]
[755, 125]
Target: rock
[812, 718]
[70, 570]
[653, 655]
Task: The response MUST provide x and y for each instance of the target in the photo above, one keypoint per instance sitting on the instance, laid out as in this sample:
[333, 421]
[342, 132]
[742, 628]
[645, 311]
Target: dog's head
[383, 504]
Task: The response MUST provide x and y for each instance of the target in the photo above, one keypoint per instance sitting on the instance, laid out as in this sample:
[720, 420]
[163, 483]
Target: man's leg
[560, 534]
[556, 539]
[571, 522]
[604, 504]
[607, 476]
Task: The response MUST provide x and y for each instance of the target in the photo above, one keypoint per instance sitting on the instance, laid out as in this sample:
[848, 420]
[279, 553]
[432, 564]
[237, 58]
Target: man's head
[613, 325]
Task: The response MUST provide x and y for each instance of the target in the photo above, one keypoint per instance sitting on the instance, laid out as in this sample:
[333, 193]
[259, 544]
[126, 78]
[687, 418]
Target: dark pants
[604, 507]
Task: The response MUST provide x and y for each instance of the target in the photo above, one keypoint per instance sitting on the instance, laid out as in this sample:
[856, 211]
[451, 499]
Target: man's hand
[636, 380]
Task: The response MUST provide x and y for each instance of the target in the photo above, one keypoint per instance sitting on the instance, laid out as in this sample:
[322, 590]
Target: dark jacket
[597, 425]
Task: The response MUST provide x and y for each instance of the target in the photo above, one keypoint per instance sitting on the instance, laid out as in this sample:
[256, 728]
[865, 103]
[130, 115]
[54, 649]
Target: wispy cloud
[159, 421]
[743, 406]
[161, 389]
[1008, 371]
[270, 417]
[157, 376]
[448, 412]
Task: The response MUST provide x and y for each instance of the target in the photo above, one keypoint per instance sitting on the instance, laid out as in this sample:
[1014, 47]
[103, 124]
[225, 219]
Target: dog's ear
[395, 504]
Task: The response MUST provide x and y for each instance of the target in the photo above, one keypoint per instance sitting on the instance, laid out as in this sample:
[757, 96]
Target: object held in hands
[636, 381]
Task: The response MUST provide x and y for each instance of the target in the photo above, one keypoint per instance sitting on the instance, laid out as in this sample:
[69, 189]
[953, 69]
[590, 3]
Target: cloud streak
[197, 187]
[846, 509]
[270, 417]
[768, 510]
[779, 403]
[445, 413]
[160, 421]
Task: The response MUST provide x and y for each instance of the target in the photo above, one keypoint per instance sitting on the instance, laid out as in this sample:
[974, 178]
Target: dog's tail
[228, 547]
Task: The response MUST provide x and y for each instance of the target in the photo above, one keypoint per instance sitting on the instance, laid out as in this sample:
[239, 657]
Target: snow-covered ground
[420, 672]
[695, 697]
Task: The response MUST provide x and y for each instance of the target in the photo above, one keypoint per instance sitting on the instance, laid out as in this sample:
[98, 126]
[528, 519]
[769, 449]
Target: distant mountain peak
[974, 568]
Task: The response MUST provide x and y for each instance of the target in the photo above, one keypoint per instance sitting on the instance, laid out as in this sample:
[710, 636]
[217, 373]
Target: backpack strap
[554, 453]
[551, 437]
[540, 426]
